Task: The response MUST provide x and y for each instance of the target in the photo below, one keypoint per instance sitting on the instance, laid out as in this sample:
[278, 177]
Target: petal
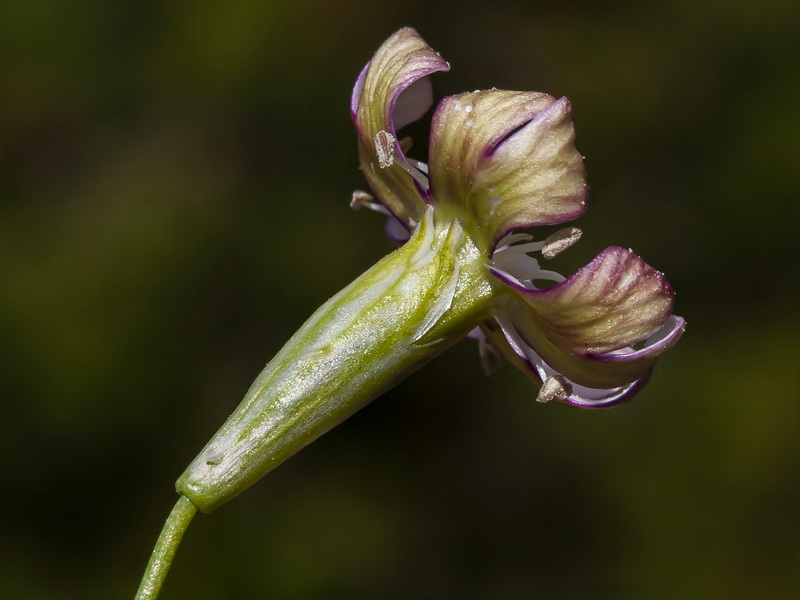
[508, 159]
[391, 91]
[507, 341]
[587, 327]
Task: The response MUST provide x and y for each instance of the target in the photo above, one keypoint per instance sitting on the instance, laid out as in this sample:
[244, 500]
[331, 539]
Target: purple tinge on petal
[358, 88]
[396, 231]
[613, 302]
[596, 399]
[413, 103]
[532, 120]
[507, 159]
[525, 358]
[558, 184]
[603, 327]
[391, 91]
[655, 345]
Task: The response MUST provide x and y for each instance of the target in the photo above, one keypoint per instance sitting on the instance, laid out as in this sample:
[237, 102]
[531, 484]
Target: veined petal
[588, 327]
[508, 159]
[392, 91]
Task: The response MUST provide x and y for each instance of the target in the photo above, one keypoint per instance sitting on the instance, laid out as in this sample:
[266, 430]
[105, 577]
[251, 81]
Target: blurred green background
[175, 185]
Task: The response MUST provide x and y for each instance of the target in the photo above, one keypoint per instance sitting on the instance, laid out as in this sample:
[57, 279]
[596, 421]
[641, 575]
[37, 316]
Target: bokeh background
[175, 185]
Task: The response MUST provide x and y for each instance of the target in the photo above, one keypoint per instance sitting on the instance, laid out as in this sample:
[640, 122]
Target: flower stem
[164, 551]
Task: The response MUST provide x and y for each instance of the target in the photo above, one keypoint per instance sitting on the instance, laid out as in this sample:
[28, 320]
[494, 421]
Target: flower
[501, 161]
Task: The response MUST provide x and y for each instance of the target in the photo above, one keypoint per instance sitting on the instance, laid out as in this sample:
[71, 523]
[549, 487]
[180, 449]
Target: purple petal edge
[666, 336]
[433, 66]
[556, 110]
[358, 88]
[614, 397]
[535, 117]
[599, 258]
[421, 62]
[618, 397]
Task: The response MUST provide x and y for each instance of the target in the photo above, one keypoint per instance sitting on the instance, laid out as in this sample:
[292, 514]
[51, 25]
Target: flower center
[511, 256]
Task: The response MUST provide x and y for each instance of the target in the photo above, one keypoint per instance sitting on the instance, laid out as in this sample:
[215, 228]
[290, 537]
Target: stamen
[416, 174]
[526, 248]
[418, 164]
[515, 262]
[405, 144]
[362, 199]
[511, 238]
[576, 394]
[560, 241]
[519, 267]
[554, 387]
[549, 276]
[384, 148]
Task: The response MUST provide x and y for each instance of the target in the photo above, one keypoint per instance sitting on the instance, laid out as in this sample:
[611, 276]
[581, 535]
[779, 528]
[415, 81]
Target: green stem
[164, 551]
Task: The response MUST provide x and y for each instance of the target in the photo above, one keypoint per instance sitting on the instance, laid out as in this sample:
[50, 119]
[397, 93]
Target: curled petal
[391, 91]
[604, 326]
[508, 159]
[506, 339]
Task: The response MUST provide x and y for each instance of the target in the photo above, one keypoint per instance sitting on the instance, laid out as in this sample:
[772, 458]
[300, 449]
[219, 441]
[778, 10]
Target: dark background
[175, 185]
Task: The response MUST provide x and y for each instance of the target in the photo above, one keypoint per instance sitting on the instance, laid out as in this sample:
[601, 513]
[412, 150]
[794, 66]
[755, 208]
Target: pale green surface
[173, 206]
[405, 310]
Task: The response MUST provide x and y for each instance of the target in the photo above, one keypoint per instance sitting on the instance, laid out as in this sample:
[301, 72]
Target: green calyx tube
[409, 307]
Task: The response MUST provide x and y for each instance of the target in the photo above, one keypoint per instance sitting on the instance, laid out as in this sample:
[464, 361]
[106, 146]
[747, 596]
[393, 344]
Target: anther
[560, 241]
[384, 148]
[555, 387]
[361, 199]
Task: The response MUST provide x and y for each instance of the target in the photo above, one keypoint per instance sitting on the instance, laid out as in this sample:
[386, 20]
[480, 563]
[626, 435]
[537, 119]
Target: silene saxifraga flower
[500, 161]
